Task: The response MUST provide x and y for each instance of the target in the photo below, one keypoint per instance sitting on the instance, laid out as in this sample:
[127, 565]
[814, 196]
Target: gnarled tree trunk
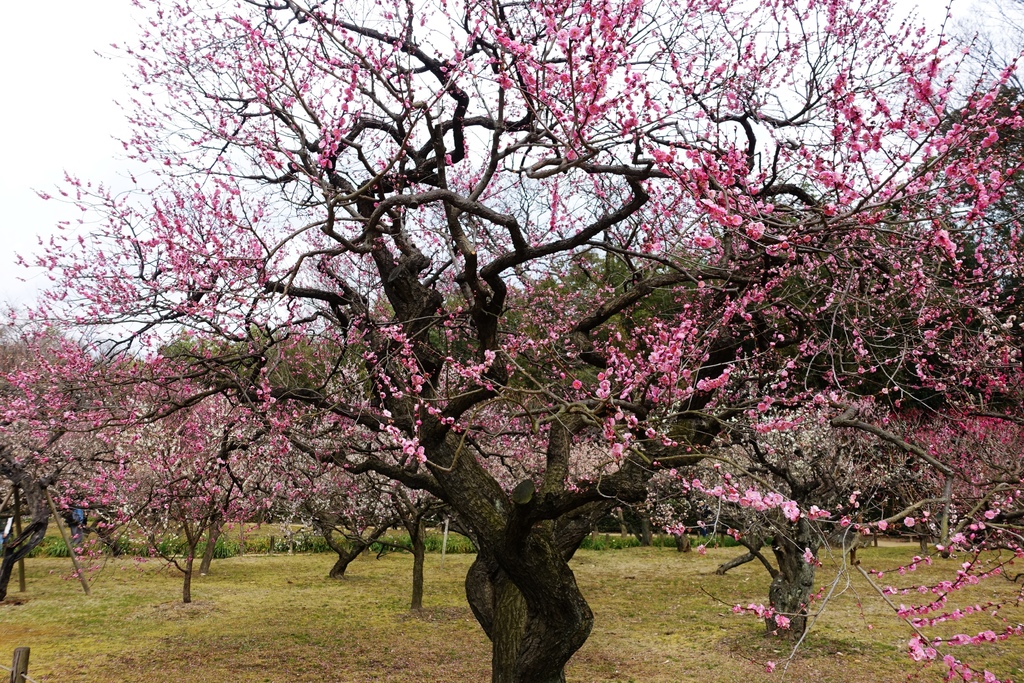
[345, 557]
[521, 588]
[356, 542]
[536, 618]
[791, 587]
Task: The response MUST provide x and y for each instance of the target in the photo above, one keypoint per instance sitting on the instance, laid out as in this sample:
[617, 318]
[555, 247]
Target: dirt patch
[439, 614]
[175, 610]
[13, 601]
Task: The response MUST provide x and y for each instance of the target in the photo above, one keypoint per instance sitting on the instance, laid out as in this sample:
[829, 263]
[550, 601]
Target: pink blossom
[705, 242]
[791, 510]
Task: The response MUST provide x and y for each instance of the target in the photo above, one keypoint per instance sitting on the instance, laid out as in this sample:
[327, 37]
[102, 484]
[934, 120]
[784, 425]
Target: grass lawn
[661, 617]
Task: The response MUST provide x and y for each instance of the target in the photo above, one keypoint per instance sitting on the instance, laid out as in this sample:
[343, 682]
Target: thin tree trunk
[419, 552]
[17, 528]
[211, 545]
[186, 588]
[645, 532]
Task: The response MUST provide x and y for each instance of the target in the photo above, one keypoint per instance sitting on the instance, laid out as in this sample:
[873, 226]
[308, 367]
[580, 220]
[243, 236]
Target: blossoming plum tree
[354, 512]
[39, 447]
[819, 470]
[181, 476]
[501, 238]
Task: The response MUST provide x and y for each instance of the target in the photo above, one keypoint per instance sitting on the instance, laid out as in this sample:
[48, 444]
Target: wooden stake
[17, 530]
[67, 542]
[19, 669]
[444, 541]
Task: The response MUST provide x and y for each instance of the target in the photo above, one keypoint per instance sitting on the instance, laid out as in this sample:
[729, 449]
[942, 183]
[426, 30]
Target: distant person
[76, 525]
[6, 533]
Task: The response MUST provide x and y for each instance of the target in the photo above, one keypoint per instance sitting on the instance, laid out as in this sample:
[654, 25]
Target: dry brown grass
[279, 618]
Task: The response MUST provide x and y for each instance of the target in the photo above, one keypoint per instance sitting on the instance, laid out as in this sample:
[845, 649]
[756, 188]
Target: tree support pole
[444, 541]
[17, 529]
[19, 667]
[67, 542]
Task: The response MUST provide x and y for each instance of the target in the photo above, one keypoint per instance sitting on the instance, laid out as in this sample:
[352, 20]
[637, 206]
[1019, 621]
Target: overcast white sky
[58, 113]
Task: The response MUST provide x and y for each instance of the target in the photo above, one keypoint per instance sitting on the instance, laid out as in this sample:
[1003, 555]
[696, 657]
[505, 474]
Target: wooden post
[19, 668]
[17, 530]
[67, 542]
[444, 541]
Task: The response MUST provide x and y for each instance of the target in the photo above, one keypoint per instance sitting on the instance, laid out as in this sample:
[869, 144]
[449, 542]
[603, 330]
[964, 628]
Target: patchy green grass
[661, 617]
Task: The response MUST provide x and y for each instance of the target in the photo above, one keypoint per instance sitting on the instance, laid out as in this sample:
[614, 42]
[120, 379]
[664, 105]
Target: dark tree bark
[521, 588]
[419, 553]
[34, 495]
[753, 546]
[186, 587]
[412, 513]
[534, 631]
[791, 587]
[211, 543]
[349, 545]
[192, 538]
[737, 561]
[345, 557]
